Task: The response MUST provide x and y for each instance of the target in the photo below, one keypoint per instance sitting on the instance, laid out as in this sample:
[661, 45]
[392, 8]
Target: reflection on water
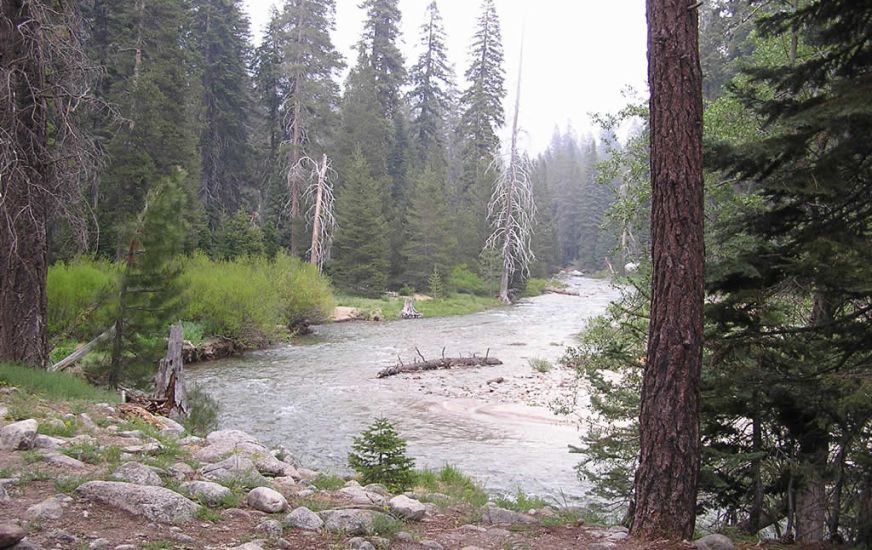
[315, 396]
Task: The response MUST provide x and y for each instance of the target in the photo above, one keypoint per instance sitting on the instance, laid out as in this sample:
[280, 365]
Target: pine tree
[361, 253]
[432, 81]
[220, 36]
[429, 240]
[378, 49]
[363, 127]
[379, 456]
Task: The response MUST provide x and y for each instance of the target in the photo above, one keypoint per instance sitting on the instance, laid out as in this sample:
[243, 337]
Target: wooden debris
[82, 351]
[169, 382]
[565, 291]
[441, 363]
[409, 311]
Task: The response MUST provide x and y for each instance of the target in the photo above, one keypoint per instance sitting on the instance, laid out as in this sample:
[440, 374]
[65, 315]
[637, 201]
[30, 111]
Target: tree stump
[169, 382]
[409, 311]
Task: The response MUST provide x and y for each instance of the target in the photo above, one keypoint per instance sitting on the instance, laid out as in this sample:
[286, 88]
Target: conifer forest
[163, 162]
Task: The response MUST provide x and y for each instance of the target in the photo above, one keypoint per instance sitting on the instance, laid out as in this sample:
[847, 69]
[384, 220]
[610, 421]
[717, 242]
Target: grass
[390, 308]
[328, 482]
[205, 514]
[32, 456]
[63, 428]
[26, 478]
[520, 502]
[540, 365]
[386, 526]
[314, 504]
[53, 385]
[68, 484]
[88, 453]
[452, 483]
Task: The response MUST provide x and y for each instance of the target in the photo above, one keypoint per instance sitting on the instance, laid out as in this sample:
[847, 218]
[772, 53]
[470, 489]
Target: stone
[65, 538]
[155, 503]
[236, 513]
[407, 508]
[191, 440]
[169, 426]
[180, 470]
[269, 465]
[431, 545]
[351, 522]
[99, 544]
[47, 442]
[183, 538]
[18, 435]
[359, 495]
[234, 468]
[404, 536]
[223, 442]
[307, 474]
[358, 543]
[151, 448]
[378, 489]
[601, 546]
[10, 534]
[266, 500]
[380, 542]
[206, 492]
[253, 545]
[714, 542]
[495, 515]
[140, 474]
[125, 547]
[64, 461]
[87, 423]
[270, 528]
[303, 518]
[26, 545]
[49, 508]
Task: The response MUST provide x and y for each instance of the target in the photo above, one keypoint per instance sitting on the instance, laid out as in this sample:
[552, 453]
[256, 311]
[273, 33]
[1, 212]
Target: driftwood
[409, 311]
[557, 290]
[83, 351]
[441, 363]
[169, 382]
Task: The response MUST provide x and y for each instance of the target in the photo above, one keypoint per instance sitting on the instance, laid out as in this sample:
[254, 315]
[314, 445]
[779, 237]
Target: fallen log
[83, 351]
[565, 291]
[441, 363]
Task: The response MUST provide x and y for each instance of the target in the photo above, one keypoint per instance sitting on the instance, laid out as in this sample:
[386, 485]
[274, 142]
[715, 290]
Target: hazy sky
[578, 54]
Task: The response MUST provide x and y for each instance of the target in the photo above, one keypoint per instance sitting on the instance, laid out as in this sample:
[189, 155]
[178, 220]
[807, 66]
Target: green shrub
[379, 456]
[540, 365]
[451, 482]
[203, 412]
[303, 293]
[53, 385]
[521, 502]
[328, 482]
[435, 284]
[77, 293]
[193, 332]
[535, 287]
[462, 279]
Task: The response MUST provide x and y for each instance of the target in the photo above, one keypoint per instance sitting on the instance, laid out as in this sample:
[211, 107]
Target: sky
[579, 55]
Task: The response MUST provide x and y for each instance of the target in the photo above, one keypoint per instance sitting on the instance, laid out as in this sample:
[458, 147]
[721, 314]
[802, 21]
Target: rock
[471, 548]
[183, 538]
[714, 542]
[233, 469]
[378, 489]
[64, 461]
[380, 542]
[99, 544]
[271, 528]
[266, 500]
[191, 440]
[358, 543]
[236, 513]
[407, 507]
[26, 545]
[601, 546]
[498, 533]
[47, 442]
[59, 536]
[307, 474]
[253, 545]
[170, 426]
[87, 423]
[180, 470]
[10, 534]
[140, 474]
[404, 536]
[206, 492]
[223, 442]
[151, 448]
[18, 435]
[431, 545]
[155, 503]
[49, 508]
[350, 522]
[271, 466]
[125, 547]
[495, 515]
[359, 495]
[303, 518]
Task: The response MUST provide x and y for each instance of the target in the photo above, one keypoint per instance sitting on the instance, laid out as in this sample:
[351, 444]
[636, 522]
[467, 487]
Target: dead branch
[434, 364]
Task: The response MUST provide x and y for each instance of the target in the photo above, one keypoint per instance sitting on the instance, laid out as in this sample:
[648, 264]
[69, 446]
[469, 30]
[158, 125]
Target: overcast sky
[578, 54]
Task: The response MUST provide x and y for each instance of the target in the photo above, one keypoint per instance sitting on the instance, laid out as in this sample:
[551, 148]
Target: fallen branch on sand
[441, 363]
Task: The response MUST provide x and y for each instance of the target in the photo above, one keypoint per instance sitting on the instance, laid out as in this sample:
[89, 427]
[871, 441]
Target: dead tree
[322, 212]
[169, 382]
[512, 210]
[409, 311]
[46, 83]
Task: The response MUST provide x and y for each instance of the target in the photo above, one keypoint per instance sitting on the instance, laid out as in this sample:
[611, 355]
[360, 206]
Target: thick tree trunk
[666, 479]
[24, 188]
[169, 382]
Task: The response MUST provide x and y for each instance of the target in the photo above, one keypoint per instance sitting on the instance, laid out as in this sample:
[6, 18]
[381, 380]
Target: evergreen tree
[361, 253]
[220, 35]
[432, 81]
[429, 240]
[379, 456]
[378, 49]
[363, 127]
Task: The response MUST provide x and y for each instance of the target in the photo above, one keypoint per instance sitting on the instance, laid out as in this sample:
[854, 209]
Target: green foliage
[303, 294]
[379, 456]
[327, 482]
[451, 482]
[535, 287]
[193, 332]
[67, 428]
[203, 411]
[386, 526]
[205, 514]
[53, 385]
[76, 291]
[429, 239]
[540, 365]
[435, 284]
[520, 502]
[239, 237]
[463, 280]
[68, 484]
[89, 453]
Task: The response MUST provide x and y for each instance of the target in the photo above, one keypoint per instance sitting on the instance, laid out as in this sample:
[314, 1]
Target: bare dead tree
[46, 85]
[319, 193]
[512, 210]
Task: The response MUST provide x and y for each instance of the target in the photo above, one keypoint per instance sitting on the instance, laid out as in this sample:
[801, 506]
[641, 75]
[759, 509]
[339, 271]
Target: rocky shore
[115, 477]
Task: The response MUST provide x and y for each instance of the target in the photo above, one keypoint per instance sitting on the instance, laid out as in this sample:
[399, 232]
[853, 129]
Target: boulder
[407, 508]
[270, 528]
[18, 435]
[99, 544]
[180, 470]
[253, 545]
[47, 442]
[151, 448]
[87, 423]
[495, 515]
[140, 474]
[303, 518]
[10, 534]
[64, 461]
[234, 468]
[269, 465]
[206, 492]
[714, 542]
[223, 442]
[49, 508]
[359, 495]
[155, 503]
[170, 426]
[350, 522]
[358, 543]
[266, 500]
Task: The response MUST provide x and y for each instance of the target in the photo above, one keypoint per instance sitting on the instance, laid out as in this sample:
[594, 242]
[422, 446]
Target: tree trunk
[315, 253]
[24, 188]
[169, 382]
[666, 479]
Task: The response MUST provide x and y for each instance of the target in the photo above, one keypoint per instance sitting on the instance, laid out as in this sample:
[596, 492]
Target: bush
[462, 279]
[203, 412]
[535, 287]
[77, 292]
[540, 365]
[302, 292]
[435, 284]
[379, 456]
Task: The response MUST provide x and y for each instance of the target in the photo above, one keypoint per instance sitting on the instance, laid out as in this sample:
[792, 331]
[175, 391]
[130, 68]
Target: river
[314, 396]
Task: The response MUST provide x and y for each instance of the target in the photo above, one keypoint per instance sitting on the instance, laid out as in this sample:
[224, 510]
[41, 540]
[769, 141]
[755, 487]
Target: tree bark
[169, 382]
[24, 188]
[666, 478]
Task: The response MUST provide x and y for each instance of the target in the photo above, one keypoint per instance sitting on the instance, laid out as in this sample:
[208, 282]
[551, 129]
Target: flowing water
[314, 396]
